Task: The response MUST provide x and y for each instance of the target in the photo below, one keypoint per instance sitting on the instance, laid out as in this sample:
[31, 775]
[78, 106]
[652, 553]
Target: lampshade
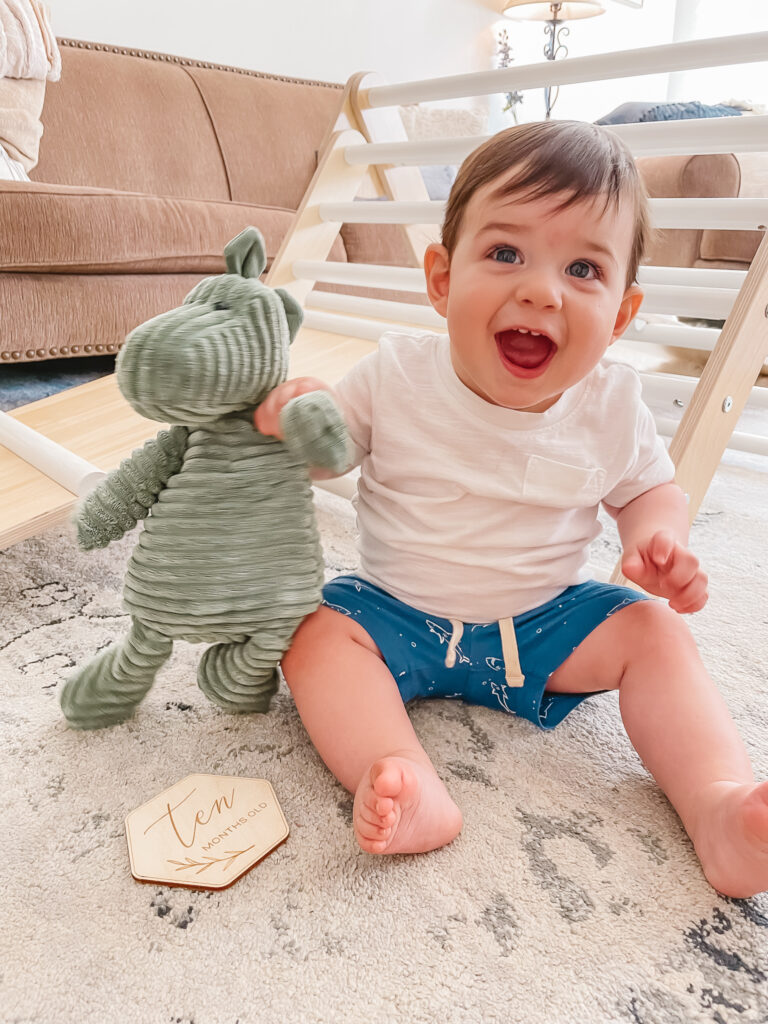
[541, 10]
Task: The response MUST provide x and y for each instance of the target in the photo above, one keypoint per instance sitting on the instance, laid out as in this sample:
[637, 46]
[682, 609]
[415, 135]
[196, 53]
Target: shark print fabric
[431, 656]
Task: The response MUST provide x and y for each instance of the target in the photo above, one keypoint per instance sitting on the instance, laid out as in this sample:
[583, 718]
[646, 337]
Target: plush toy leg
[241, 677]
[107, 689]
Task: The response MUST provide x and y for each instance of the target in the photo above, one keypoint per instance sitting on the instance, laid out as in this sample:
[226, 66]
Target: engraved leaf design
[230, 857]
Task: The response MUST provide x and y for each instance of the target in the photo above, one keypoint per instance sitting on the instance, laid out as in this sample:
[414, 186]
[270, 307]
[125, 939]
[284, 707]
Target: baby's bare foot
[402, 806]
[733, 841]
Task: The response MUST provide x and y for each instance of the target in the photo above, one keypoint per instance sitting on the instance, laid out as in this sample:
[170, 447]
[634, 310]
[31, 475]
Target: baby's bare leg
[682, 730]
[355, 717]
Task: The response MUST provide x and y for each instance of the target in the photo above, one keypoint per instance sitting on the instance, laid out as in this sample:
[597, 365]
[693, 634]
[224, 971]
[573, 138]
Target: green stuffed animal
[230, 553]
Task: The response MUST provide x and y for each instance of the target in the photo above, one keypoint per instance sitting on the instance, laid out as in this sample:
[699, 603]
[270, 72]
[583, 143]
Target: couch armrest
[711, 175]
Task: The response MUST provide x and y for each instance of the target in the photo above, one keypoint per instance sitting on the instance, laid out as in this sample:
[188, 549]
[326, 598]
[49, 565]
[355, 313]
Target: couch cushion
[141, 126]
[59, 228]
[270, 131]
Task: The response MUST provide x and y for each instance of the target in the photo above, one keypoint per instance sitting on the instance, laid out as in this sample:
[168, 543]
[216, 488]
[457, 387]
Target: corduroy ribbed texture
[230, 553]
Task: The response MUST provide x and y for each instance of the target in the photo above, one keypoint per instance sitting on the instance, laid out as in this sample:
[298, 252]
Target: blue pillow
[636, 111]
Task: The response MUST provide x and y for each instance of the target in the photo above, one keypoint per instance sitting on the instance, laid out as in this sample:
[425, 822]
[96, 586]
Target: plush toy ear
[293, 311]
[245, 254]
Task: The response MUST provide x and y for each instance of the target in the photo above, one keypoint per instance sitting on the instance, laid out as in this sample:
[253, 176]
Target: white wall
[325, 39]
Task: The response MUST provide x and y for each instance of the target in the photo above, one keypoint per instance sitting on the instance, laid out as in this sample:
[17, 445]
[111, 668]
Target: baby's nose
[539, 287]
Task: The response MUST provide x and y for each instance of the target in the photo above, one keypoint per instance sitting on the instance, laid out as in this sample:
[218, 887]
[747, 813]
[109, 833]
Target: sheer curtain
[702, 19]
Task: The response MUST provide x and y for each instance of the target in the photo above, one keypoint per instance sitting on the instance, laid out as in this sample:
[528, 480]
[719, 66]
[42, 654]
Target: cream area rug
[571, 896]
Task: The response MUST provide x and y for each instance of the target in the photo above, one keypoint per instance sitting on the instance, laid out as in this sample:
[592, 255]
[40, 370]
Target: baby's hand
[664, 567]
[266, 418]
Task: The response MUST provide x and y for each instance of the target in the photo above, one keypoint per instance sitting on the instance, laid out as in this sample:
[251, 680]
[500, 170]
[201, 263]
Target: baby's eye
[583, 270]
[505, 254]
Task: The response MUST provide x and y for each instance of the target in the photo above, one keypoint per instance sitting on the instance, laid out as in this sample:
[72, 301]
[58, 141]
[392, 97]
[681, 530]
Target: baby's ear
[437, 270]
[246, 254]
[293, 311]
[627, 311]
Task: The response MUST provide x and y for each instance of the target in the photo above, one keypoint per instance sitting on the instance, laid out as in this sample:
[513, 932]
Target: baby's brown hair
[570, 158]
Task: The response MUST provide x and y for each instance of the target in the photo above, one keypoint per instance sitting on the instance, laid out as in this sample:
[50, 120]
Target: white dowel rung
[698, 135]
[399, 312]
[416, 153]
[352, 327]
[368, 275]
[60, 464]
[716, 214]
[737, 134]
[385, 212]
[738, 441]
[709, 303]
[697, 277]
[672, 335]
[747, 48]
[667, 388]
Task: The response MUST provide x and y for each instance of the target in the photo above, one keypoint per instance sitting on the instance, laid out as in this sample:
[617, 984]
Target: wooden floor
[95, 422]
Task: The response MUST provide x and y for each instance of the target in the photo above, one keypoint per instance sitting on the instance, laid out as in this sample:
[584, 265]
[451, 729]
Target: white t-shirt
[471, 511]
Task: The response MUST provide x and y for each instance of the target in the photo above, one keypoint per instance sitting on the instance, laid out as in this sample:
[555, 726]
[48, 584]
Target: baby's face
[533, 294]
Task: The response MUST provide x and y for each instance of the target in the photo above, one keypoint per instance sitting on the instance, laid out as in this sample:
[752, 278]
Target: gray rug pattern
[572, 894]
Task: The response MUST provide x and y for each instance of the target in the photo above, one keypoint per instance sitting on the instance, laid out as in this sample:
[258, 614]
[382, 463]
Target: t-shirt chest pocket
[558, 485]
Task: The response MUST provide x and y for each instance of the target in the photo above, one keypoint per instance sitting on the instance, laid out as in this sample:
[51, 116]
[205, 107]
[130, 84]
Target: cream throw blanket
[28, 55]
[28, 47]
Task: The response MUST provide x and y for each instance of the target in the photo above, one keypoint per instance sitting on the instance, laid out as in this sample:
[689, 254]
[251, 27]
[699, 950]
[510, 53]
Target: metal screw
[727, 403]
[678, 403]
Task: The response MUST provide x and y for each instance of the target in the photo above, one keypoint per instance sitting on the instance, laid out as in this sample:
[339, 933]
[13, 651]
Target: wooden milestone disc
[204, 832]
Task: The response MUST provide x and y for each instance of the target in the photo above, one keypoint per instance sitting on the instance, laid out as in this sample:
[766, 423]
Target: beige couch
[148, 165]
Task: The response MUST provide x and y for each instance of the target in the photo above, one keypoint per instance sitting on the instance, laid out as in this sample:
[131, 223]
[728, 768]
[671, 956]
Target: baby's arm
[302, 413]
[654, 535]
[127, 494]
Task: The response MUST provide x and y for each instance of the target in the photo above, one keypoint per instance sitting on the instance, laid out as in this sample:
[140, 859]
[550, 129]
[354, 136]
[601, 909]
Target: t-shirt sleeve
[648, 463]
[353, 394]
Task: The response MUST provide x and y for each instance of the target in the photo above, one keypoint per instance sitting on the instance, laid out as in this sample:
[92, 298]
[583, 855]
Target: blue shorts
[414, 646]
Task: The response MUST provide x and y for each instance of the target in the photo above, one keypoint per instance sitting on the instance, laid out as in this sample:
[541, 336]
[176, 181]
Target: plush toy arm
[127, 494]
[314, 429]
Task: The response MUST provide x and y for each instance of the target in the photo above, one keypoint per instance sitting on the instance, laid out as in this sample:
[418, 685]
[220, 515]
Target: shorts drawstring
[456, 635]
[512, 671]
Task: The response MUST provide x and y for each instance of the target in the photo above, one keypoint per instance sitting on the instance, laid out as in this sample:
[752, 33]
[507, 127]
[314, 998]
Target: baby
[484, 457]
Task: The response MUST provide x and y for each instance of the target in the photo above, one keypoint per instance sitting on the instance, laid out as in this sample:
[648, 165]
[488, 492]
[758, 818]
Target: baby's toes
[384, 807]
[372, 831]
[373, 818]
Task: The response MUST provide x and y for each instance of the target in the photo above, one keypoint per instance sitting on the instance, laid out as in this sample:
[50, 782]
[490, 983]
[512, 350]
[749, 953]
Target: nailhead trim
[186, 62]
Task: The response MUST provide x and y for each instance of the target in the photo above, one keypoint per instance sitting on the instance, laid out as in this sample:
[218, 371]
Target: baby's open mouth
[525, 350]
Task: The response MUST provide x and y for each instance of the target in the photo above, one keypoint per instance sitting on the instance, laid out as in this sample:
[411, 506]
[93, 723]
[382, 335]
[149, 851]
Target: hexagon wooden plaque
[205, 832]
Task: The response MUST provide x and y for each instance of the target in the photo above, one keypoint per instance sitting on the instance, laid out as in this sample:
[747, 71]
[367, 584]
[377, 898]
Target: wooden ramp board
[96, 422]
